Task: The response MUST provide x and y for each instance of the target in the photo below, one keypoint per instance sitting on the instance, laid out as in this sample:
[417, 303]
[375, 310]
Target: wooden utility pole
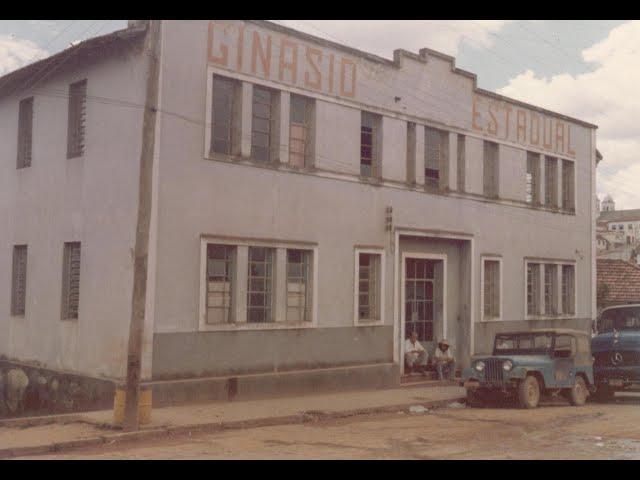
[141, 252]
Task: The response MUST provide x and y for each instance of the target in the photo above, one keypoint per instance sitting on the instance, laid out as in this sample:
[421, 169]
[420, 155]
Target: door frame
[421, 256]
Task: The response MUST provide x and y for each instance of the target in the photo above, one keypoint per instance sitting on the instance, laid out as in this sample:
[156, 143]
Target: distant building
[608, 205]
[618, 282]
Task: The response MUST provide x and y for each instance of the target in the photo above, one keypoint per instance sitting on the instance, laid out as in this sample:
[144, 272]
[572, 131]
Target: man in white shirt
[415, 356]
[443, 358]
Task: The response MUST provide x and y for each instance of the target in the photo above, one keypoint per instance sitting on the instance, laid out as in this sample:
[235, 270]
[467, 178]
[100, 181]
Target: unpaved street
[551, 432]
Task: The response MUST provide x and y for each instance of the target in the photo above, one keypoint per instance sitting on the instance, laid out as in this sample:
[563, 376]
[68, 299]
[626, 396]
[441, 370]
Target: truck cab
[616, 351]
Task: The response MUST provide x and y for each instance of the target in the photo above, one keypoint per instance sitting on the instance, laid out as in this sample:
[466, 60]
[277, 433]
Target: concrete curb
[299, 418]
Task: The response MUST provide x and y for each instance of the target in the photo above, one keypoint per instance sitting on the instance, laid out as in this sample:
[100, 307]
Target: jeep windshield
[522, 344]
[623, 318]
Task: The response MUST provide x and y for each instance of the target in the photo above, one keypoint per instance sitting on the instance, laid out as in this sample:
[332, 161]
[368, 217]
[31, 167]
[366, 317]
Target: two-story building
[312, 205]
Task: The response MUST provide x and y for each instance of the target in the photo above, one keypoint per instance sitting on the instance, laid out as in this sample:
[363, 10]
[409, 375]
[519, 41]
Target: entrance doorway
[423, 299]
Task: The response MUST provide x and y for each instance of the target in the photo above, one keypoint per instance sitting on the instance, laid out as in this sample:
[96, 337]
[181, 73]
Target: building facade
[312, 205]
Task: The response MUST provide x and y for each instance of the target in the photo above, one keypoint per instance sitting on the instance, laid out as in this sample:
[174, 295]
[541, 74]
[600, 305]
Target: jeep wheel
[529, 392]
[473, 399]
[604, 394]
[579, 393]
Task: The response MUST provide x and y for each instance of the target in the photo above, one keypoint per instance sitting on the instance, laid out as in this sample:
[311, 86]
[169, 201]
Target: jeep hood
[518, 360]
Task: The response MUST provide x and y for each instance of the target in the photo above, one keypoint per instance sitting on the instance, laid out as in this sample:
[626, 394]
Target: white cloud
[16, 52]
[606, 96]
[381, 37]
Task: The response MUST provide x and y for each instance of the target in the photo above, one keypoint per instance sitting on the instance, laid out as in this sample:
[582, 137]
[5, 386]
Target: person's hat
[444, 342]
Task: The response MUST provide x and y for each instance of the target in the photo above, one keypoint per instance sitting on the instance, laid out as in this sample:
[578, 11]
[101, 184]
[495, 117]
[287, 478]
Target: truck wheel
[529, 392]
[604, 394]
[579, 393]
[473, 399]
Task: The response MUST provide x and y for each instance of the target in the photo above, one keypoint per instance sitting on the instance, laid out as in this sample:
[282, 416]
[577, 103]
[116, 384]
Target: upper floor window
[551, 181]
[533, 289]
[224, 115]
[568, 195]
[435, 155]
[411, 153]
[462, 159]
[25, 132]
[301, 131]
[491, 170]
[568, 289]
[550, 289]
[533, 177]
[77, 116]
[264, 142]
[369, 144]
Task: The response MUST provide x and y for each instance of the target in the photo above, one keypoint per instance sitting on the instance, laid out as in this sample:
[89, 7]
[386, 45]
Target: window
[491, 288]
[533, 289]
[260, 283]
[70, 280]
[369, 286]
[369, 144]
[25, 130]
[19, 280]
[263, 141]
[411, 153]
[298, 285]
[300, 131]
[77, 114]
[224, 116]
[435, 154]
[462, 158]
[568, 289]
[490, 180]
[551, 181]
[533, 177]
[550, 289]
[568, 201]
[221, 261]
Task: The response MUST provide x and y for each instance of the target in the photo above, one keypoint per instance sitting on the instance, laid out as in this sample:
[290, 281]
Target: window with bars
[568, 196]
[550, 289]
[491, 299]
[77, 117]
[533, 289]
[369, 144]
[434, 157]
[533, 177]
[490, 173]
[263, 141]
[225, 110]
[300, 131]
[299, 285]
[260, 283]
[568, 289]
[221, 261]
[70, 280]
[19, 280]
[25, 132]
[462, 159]
[369, 287]
[551, 181]
[411, 153]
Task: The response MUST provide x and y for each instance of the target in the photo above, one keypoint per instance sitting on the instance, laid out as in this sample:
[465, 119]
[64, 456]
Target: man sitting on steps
[415, 356]
[443, 358]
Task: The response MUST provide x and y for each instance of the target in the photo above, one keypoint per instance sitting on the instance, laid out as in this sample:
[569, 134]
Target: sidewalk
[35, 436]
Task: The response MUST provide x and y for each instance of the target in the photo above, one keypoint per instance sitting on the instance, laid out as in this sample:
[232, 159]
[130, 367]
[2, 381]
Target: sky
[588, 69]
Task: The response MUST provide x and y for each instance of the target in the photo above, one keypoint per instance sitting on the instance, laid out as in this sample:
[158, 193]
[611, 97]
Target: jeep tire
[529, 392]
[474, 399]
[578, 393]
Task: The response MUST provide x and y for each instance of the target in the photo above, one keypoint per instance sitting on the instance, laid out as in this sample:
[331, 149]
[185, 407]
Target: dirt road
[551, 432]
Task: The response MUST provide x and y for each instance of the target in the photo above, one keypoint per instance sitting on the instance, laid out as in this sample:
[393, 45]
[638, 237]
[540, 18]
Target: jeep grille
[493, 370]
